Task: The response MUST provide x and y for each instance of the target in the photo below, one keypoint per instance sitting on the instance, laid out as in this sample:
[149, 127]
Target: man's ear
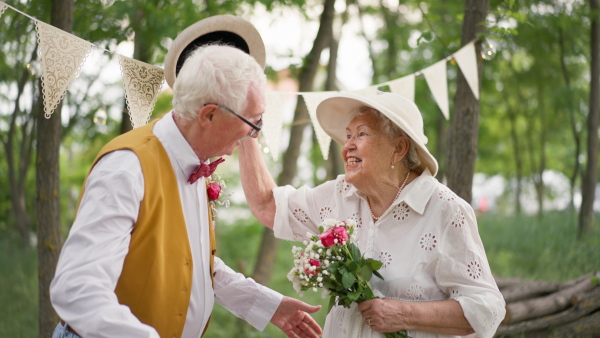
[206, 115]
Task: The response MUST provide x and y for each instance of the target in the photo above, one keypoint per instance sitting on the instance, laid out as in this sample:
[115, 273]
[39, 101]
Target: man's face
[233, 130]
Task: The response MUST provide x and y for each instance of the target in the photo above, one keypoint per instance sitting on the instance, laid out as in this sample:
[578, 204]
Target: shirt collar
[171, 137]
[416, 194]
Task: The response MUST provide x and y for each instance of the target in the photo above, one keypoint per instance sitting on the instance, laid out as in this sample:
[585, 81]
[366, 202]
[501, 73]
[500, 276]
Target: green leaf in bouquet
[345, 302]
[329, 284]
[331, 303]
[378, 275]
[352, 266]
[354, 251]
[364, 273]
[375, 264]
[368, 293]
[321, 229]
[348, 279]
[353, 296]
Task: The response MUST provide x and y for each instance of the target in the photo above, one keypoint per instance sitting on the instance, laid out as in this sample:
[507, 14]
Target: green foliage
[545, 249]
[18, 291]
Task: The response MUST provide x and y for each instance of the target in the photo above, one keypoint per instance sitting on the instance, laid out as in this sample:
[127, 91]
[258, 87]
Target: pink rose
[213, 191]
[312, 262]
[327, 238]
[340, 234]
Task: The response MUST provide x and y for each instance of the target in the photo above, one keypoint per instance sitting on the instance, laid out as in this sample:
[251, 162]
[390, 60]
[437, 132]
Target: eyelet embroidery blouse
[427, 240]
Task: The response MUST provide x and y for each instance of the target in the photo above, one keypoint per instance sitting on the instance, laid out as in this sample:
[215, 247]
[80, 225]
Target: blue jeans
[62, 332]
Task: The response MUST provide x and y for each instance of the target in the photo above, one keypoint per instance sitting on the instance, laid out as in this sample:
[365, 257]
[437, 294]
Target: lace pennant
[404, 86]
[467, 62]
[272, 122]
[62, 55]
[3, 7]
[312, 100]
[438, 84]
[368, 90]
[142, 84]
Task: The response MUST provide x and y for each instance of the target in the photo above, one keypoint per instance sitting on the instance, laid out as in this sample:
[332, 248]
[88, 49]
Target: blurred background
[525, 155]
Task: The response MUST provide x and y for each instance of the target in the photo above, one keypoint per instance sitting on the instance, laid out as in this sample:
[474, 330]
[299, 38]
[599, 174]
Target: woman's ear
[401, 148]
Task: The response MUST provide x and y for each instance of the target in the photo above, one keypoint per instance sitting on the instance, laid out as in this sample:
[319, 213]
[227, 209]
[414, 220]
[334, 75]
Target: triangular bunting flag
[404, 86]
[272, 122]
[438, 84]
[368, 90]
[312, 100]
[3, 7]
[467, 62]
[62, 55]
[142, 84]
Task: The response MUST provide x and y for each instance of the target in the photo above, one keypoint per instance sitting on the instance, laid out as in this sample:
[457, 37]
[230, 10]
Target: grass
[545, 249]
[18, 292]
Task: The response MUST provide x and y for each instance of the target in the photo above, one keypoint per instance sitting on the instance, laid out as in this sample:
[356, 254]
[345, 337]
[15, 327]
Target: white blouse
[427, 240]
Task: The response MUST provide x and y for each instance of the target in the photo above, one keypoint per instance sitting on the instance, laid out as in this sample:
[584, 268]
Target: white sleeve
[244, 297]
[464, 273]
[91, 260]
[298, 211]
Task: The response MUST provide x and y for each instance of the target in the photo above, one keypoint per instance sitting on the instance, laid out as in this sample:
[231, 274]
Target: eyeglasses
[255, 127]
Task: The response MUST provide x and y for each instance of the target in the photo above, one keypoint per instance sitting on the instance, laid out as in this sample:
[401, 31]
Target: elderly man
[140, 257]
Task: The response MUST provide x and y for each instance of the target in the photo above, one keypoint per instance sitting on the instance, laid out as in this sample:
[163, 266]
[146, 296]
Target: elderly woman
[437, 282]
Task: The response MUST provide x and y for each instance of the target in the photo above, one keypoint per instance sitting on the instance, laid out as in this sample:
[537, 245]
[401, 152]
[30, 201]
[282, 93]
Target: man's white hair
[215, 74]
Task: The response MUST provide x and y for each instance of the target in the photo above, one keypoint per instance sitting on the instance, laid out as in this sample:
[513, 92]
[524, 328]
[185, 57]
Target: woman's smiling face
[368, 151]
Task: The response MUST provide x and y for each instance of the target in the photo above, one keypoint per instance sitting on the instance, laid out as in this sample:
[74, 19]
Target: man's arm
[91, 261]
[257, 182]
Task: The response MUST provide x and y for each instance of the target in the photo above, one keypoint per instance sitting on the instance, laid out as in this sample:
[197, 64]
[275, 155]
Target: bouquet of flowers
[333, 263]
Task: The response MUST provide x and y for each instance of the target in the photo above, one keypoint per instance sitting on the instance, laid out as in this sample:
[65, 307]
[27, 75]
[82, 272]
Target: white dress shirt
[92, 257]
[427, 240]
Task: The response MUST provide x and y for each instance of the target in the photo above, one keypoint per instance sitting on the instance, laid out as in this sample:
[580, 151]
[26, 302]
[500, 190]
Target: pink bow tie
[204, 170]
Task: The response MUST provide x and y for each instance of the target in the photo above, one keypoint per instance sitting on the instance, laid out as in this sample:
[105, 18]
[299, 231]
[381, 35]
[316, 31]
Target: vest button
[214, 273]
[214, 251]
[184, 289]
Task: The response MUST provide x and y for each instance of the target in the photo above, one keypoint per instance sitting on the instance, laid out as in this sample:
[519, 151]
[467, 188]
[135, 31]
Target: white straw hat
[226, 29]
[335, 113]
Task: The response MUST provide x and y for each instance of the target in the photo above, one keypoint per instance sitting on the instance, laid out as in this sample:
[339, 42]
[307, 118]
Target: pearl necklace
[397, 194]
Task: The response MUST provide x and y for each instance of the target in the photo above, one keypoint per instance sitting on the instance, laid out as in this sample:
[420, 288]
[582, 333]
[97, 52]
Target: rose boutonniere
[214, 190]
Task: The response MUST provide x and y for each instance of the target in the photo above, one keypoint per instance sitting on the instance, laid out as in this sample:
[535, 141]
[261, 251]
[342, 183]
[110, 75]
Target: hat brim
[335, 114]
[224, 29]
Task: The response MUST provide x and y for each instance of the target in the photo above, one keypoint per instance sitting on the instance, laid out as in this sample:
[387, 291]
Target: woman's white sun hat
[224, 29]
[335, 113]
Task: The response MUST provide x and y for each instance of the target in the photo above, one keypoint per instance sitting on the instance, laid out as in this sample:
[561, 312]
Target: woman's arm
[390, 315]
[257, 182]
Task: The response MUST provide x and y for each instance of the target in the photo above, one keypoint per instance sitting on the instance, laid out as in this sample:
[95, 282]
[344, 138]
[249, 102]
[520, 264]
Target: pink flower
[315, 263]
[327, 238]
[213, 191]
[340, 234]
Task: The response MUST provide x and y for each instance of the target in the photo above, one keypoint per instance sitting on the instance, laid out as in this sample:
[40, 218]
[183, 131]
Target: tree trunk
[334, 164]
[141, 52]
[268, 247]
[538, 307]
[48, 188]
[464, 129]
[572, 121]
[588, 182]
[18, 163]
[512, 117]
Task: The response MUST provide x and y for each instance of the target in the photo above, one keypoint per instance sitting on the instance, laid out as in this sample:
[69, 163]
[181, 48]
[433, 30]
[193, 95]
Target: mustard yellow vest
[157, 273]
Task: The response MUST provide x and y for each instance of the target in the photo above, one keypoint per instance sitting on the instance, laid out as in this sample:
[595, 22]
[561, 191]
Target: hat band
[217, 37]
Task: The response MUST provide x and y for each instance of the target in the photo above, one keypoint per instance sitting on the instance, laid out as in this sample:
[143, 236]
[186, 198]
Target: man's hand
[292, 317]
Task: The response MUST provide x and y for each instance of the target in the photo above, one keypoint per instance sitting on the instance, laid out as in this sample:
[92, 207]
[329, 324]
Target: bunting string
[62, 54]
